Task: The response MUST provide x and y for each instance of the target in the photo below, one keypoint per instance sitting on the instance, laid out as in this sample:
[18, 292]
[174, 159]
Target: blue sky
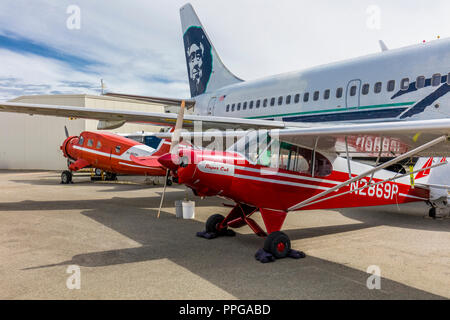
[136, 46]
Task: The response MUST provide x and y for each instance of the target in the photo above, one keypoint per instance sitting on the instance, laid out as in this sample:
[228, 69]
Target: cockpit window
[81, 141]
[99, 145]
[90, 143]
[260, 148]
[117, 149]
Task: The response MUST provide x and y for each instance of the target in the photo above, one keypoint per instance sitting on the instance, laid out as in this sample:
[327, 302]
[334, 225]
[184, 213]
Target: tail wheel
[213, 222]
[66, 177]
[278, 244]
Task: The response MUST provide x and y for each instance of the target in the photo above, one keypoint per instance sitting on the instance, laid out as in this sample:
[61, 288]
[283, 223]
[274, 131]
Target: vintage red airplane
[260, 173]
[112, 154]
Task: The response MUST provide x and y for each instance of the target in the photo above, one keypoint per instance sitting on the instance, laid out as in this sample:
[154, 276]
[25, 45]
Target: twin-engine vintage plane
[112, 154]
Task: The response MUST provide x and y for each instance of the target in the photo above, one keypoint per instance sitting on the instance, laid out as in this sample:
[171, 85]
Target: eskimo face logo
[198, 58]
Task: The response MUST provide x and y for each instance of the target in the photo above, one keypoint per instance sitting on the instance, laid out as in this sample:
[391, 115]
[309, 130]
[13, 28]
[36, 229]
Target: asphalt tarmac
[106, 238]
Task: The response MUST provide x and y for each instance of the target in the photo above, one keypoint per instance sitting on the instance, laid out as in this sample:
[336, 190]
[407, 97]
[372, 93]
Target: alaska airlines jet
[404, 84]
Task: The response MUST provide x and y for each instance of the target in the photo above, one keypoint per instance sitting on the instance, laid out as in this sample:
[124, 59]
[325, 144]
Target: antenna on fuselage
[383, 45]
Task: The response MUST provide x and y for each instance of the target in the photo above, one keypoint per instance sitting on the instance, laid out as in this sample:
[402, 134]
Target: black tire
[111, 176]
[98, 172]
[432, 213]
[169, 182]
[278, 244]
[66, 177]
[213, 221]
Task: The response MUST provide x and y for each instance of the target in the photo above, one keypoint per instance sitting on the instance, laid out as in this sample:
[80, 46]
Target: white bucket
[179, 208]
[188, 209]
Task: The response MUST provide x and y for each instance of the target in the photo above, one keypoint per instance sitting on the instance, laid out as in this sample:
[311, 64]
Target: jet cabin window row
[436, 80]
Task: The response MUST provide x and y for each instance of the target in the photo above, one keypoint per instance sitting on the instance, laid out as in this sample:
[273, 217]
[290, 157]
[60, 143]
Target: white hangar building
[32, 142]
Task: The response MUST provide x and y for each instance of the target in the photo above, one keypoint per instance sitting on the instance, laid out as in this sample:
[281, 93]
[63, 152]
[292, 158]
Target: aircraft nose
[170, 161]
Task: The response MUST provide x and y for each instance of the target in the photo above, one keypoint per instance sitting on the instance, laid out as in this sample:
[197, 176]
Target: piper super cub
[264, 173]
[112, 154]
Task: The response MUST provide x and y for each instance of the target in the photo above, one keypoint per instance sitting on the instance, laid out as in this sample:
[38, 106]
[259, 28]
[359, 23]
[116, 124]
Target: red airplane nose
[170, 161]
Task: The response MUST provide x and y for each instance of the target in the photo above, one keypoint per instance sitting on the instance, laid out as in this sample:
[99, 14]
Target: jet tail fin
[205, 69]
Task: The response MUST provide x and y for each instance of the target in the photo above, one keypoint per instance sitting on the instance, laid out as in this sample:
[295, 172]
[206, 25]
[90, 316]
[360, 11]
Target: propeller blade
[164, 192]
[173, 147]
[177, 131]
[67, 131]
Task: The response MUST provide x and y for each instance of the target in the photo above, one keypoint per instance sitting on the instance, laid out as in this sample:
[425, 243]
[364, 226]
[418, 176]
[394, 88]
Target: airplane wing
[110, 119]
[156, 100]
[393, 138]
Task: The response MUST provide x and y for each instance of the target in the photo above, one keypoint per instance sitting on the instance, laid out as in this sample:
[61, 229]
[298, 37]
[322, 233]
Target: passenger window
[251, 105]
[288, 100]
[244, 107]
[238, 106]
[272, 102]
[339, 92]
[391, 85]
[118, 149]
[365, 89]
[404, 85]
[265, 103]
[420, 82]
[353, 91]
[99, 145]
[436, 80]
[448, 79]
[228, 107]
[326, 94]
[233, 106]
[90, 143]
[280, 101]
[316, 95]
[306, 97]
[297, 98]
[81, 141]
[378, 86]
[258, 103]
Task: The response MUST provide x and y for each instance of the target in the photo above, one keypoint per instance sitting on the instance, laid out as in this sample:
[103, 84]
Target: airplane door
[353, 94]
[211, 105]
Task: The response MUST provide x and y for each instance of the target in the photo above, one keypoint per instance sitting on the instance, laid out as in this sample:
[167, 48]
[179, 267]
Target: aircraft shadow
[229, 262]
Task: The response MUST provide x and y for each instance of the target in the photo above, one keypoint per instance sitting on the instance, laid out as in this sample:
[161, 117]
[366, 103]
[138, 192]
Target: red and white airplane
[263, 173]
[112, 154]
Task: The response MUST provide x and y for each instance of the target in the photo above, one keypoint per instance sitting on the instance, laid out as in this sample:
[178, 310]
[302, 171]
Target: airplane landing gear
[278, 244]
[66, 177]
[110, 176]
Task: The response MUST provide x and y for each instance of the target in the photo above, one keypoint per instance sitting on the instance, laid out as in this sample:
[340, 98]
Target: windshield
[258, 147]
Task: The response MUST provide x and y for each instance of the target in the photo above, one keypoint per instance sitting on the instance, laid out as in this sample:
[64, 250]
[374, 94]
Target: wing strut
[375, 169]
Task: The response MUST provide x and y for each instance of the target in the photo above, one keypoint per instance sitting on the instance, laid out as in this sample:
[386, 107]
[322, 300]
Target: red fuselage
[232, 176]
[112, 153]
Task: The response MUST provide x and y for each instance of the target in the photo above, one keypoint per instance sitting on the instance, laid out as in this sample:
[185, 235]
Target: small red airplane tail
[163, 148]
[426, 163]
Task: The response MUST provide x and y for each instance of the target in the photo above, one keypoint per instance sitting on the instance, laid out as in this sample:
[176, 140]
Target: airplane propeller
[66, 131]
[173, 148]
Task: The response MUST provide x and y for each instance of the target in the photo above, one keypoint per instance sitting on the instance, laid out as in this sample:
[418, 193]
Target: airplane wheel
[169, 182]
[66, 177]
[111, 176]
[98, 172]
[213, 222]
[278, 244]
